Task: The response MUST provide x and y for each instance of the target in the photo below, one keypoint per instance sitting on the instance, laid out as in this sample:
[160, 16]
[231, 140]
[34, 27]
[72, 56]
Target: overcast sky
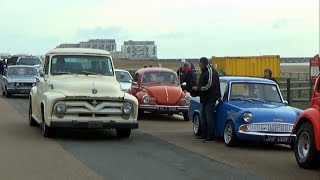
[180, 28]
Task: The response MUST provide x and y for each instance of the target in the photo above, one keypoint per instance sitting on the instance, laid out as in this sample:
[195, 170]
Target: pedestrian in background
[268, 75]
[209, 91]
[188, 77]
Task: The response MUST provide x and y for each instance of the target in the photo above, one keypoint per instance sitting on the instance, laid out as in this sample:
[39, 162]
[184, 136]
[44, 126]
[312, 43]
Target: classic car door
[221, 109]
[41, 83]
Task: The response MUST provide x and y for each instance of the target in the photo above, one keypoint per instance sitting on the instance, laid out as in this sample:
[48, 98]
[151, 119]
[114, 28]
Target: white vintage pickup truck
[77, 88]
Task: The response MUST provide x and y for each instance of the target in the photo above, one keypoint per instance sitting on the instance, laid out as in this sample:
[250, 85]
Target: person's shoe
[208, 140]
[200, 137]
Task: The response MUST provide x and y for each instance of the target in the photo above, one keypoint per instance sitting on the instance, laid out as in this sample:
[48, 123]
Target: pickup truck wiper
[89, 73]
[62, 73]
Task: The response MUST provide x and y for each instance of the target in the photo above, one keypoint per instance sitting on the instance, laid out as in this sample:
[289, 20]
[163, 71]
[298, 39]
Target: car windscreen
[255, 91]
[81, 64]
[159, 77]
[22, 71]
[28, 61]
[123, 76]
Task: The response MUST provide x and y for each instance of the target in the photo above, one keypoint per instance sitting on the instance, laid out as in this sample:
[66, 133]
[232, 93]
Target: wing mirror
[184, 86]
[41, 73]
[134, 83]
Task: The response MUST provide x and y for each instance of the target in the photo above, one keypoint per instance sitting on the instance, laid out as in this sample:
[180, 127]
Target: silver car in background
[124, 78]
[18, 79]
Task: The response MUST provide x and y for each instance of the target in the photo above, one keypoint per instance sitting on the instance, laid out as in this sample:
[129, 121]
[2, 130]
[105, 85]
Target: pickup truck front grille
[93, 108]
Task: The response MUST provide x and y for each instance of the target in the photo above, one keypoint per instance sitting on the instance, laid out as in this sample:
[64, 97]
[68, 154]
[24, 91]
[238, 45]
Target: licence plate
[168, 108]
[277, 139]
[95, 125]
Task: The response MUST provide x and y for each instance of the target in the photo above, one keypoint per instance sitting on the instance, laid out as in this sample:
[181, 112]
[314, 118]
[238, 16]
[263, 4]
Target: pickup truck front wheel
[46, 130]
[123, 133]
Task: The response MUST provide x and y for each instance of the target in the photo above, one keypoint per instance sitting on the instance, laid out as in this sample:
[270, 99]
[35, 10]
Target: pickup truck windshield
[81, 64]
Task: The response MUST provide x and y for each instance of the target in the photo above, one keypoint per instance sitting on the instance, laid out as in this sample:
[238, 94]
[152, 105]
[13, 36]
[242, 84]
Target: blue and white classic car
[251, 109]
[18, 79]
[124, 78]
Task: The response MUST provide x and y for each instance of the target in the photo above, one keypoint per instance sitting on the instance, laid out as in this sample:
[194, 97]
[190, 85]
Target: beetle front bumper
[163, 108]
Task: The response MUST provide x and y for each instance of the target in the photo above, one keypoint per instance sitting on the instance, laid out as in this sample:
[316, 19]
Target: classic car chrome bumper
[19, 90]
[164, 108]
[93, 125]
[266, 134]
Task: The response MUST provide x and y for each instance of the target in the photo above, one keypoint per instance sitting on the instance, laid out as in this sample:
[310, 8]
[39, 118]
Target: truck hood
[269, 112]
[86, 86]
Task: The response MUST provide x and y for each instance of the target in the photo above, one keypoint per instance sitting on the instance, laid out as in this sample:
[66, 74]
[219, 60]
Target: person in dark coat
[1, 67]
[268, 75]
[209, 91]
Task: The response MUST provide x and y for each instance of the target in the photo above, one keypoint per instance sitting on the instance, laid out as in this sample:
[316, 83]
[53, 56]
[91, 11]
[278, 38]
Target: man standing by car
[209, 91]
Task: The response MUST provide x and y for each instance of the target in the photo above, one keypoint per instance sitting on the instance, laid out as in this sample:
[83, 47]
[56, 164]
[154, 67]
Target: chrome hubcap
[304, 145]
[196, 123]
[227, 135]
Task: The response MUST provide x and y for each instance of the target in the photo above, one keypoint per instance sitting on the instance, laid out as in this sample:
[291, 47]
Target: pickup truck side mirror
[41, 73]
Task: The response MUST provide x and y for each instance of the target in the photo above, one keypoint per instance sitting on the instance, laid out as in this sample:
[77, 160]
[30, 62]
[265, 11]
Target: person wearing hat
[209, 91]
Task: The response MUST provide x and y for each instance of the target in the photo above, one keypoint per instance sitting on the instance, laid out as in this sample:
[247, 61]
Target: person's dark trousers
[207, 120]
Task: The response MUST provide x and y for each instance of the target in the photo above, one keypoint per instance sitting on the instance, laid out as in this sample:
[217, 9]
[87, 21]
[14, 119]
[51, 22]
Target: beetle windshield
[159, 77]
[22, 71]
[255, 92]
[123, 76]
[81, 64]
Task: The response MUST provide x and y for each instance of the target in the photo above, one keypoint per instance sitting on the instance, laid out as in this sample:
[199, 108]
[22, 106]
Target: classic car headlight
[247, 117]
[11, 85]
[127, 109]
[187, 98]
[60, 107]
[146, 99]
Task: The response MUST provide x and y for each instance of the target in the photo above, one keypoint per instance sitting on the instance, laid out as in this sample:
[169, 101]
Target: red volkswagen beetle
[158, 91]
[307, 132]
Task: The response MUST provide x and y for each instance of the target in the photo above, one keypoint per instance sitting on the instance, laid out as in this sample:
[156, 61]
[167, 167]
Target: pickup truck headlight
[146, 99]
[127, 109]
[60, 107]
[247, 117]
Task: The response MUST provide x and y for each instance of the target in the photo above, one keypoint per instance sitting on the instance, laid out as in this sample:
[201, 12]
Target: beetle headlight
[127, 109]
[146, 99]
[187, 99]
[247, 117]
[60, 107]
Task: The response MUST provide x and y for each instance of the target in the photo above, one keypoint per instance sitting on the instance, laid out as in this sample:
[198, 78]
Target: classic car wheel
[123, 133]
[32, 122]
[229, 134]
[305, 150]
[46, 130]
[185, 116]
[6, 93]
[196, 125]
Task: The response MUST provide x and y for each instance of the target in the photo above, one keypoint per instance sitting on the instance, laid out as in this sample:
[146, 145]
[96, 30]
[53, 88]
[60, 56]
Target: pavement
[25, 154]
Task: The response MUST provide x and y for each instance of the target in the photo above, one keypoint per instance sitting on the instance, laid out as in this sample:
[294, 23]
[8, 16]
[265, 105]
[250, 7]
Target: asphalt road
[25, 154]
